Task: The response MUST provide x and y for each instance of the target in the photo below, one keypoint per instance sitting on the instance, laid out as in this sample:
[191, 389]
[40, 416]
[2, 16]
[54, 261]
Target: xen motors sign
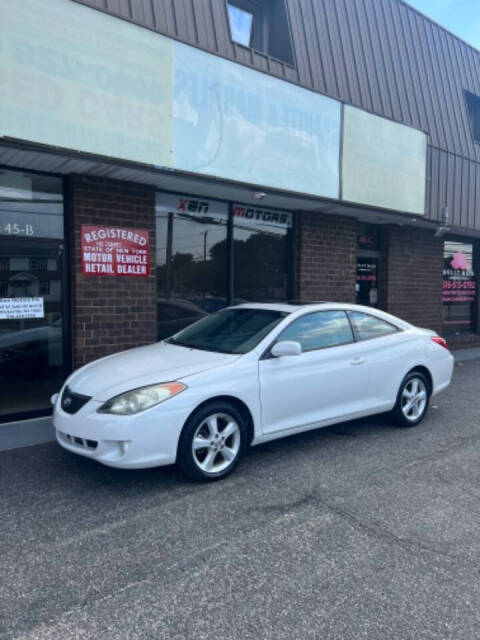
[190, 206]
[193, 206]
[243, 215]
[267, 217]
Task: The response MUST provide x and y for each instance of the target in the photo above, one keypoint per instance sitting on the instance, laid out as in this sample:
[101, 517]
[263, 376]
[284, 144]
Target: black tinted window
[367, 326]
[319, 330]
[229, 331]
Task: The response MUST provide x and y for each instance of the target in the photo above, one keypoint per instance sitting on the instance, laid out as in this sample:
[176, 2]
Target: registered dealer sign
[114, 251]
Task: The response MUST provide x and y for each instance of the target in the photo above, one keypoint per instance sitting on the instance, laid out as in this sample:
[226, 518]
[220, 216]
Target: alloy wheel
[414, 399]
[216, 443]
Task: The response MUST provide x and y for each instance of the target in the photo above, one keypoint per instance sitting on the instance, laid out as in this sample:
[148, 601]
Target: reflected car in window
[174, 314]
[29, 349]
[246, 375]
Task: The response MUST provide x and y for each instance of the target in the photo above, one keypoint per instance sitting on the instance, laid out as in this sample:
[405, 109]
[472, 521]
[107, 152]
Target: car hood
[161, 362]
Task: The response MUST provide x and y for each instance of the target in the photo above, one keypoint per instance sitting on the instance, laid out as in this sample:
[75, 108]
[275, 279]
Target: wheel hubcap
[216, 443]
[414, 399]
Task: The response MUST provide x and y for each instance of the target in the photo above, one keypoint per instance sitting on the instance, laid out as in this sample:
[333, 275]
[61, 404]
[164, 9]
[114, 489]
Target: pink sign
[114, 251]
[458, 280]
[459, 261]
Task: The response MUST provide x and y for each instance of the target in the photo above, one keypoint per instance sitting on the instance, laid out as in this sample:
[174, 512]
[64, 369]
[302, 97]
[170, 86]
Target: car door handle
[358, 361]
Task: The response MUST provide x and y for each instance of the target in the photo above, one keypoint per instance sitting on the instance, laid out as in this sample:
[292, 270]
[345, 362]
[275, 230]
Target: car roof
[308, 307]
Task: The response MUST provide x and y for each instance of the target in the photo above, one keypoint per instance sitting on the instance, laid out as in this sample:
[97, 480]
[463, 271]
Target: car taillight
[441, 341]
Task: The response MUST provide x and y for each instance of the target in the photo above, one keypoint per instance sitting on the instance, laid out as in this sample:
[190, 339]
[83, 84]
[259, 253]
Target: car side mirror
[286, 348]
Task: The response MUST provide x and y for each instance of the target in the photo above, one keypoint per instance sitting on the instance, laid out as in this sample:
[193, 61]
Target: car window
[367, 327]
[319, 330]
[229, 331]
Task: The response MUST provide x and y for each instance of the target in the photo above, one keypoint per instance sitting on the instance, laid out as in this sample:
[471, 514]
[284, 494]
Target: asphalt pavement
[357, 531]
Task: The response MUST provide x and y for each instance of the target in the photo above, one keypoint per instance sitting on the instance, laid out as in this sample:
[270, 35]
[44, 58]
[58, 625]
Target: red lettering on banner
[112, 251]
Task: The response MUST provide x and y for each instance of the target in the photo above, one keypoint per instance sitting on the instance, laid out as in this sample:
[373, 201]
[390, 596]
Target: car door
[388, 353]
[326, 381]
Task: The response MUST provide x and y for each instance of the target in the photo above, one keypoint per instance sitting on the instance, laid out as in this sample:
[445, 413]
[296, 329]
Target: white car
[246, 375]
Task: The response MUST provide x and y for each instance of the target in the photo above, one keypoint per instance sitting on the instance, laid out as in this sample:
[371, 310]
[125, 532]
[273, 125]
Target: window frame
[262, 47]
[258, 33]
[65, 201]
[291, 237]
[233, 4]
[472, 104]
[371, 315]
[453, 328]
[267, 353]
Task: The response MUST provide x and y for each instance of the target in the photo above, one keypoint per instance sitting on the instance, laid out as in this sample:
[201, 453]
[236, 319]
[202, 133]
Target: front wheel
[412, 400]
[212, 442]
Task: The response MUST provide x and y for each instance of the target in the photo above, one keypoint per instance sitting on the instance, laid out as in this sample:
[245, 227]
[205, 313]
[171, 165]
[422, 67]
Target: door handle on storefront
[358, 361]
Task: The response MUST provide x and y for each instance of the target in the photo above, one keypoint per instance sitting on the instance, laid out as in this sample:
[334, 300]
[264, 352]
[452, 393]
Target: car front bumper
[147, 439]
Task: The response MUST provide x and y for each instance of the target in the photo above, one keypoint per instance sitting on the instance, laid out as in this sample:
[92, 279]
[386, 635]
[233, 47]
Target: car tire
[222, 450]
[412, 400]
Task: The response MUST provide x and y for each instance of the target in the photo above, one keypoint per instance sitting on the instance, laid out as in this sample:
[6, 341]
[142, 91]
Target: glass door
[368, 263]
[459, 286]
[31, 293]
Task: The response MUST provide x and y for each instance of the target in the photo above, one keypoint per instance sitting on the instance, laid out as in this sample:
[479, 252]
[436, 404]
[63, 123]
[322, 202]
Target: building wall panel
[411, 281]
[326, 258]
[380, 55]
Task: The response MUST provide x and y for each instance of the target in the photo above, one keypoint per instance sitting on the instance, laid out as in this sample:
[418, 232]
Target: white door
[388, 353]
[327, 381]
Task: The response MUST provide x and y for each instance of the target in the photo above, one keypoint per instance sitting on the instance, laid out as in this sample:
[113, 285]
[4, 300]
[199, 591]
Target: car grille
[79, 442]
[73, 402]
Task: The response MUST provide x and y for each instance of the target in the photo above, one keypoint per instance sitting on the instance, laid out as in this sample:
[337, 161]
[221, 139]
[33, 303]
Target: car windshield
[229, 331]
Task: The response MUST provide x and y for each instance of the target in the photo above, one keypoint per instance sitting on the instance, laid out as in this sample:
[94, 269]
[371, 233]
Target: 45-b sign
[15, 229]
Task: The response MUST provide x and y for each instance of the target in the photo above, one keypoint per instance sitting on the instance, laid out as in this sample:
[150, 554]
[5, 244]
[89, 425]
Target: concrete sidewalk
[29, 432]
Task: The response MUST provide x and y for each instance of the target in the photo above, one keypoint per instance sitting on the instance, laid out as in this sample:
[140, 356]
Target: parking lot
[357, 531]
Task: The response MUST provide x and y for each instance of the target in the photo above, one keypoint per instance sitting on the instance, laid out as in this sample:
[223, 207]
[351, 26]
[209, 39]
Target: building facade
[161, 159]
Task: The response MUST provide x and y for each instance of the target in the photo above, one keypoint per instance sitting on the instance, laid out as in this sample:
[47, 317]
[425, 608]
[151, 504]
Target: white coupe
[246, 375]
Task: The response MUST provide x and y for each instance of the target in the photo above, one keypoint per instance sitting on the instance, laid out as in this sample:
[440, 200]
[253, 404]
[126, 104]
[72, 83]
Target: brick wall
[410, 272]
[411, 275]
[326, 258]
[110, 313]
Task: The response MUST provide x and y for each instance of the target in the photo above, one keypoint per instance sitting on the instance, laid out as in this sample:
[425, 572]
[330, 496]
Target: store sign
[234, 122]
[21, 308]
[267, 217]
[80, 79]
[383, 163]
[368, 237]
[189, 205]
[367, 271]
[113, 251]
[458, 279]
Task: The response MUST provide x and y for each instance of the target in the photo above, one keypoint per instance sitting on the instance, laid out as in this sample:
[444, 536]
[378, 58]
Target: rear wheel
[412, 400]
[212, 442]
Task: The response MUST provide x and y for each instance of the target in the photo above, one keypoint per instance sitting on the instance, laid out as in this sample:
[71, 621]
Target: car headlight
[137, 400]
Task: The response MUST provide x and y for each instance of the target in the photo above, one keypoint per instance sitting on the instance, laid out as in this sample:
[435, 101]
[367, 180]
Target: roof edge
[440, 26]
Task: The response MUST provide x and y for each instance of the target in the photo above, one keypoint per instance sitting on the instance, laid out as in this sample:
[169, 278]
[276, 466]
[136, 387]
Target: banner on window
[458, 276]
[114, 251]
[21, 308]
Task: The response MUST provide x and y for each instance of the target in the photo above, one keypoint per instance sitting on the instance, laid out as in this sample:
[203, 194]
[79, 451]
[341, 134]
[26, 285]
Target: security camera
[441, 231]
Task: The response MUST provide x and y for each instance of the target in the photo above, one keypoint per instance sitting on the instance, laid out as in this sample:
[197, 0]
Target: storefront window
[458, 286]
[191, 260]
[261, 254]
[194, 251]
[31, 289]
